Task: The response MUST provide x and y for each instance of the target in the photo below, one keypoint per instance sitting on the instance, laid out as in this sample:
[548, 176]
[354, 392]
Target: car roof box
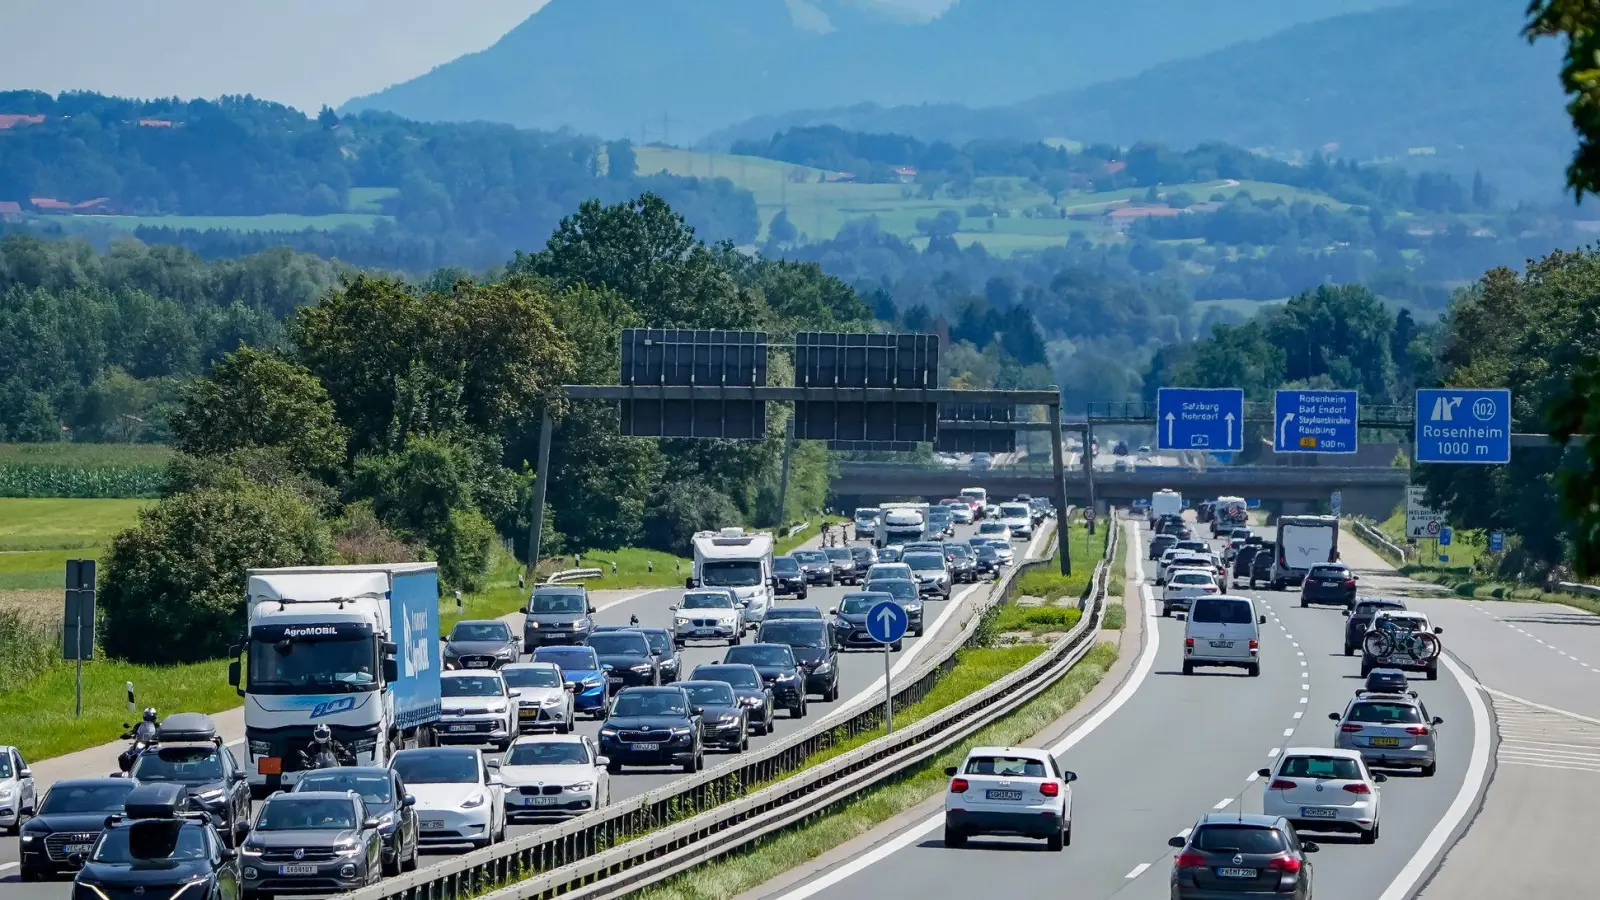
[184, 728]
[162, 800]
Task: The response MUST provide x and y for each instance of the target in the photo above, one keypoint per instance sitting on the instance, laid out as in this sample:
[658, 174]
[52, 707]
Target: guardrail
[1376, 537]
[1572, 587]
[586, 855]
[796, 529]
[573, 575]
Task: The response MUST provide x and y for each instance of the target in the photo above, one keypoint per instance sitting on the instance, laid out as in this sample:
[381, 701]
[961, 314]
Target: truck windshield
[732, 573]
[325, 664]
[558, 604]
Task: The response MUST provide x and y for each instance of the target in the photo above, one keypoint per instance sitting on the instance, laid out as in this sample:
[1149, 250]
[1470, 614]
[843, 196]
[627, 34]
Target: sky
[305, 53]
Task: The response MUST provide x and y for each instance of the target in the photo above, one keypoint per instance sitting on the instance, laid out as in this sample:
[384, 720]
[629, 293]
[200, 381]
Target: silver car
[1391, 731]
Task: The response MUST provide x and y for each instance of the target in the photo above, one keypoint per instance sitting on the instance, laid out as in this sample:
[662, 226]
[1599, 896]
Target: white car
[960, 513]
[1009, 790]
[544, 699]
[1322, 789]
[1182, 559]
[991, 511]
[17, 799]
[1002, 549]
[999, 530]
[477, 708]
[707, 616]
[1019, 518]
[555, 775]
[1183, 585]
[888, 571]
[459, 799]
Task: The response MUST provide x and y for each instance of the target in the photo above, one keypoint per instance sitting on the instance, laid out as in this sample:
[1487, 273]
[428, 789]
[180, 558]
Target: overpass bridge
[1374, 492]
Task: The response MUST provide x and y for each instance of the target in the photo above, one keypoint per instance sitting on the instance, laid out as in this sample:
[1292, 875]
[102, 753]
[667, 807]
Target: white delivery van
[1165, 502]
[1223, 631]
[977, 498]
[1231, 513]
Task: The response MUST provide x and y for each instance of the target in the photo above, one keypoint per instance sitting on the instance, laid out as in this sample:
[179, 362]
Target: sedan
[481, 644]
[544, 700]
[816, 565]
[555, 775]
[753, 695]
[904, 593]
[1324, 790]
[459, 799]
[60, 834]
[844, 564]
[788, 578]
[850, 620]
[1331, 584]
[963, 566]
[386, 798]
[724, 722]
[312, 842]
[1183, 585]
[652, 726]
[1241, 854]
[931, 572]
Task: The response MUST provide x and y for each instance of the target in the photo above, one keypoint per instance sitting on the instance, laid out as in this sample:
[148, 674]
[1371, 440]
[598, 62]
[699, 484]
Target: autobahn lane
[1178, 748]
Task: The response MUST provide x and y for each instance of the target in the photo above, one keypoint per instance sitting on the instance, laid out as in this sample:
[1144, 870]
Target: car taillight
[1281, 784]
[1417, 729]
[1284, 864]
[1188, 642]
[1349, 729]
[1189, 859]
[1050, 789]
[1254, 645]
[1349, 582]
[958, 785]
[1357, 789]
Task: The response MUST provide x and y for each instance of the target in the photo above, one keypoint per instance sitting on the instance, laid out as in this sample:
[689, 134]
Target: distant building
[8, 120]
[1129, 213]
[50, 204]
[10, 210]
[906, 174]
[1113, 168]
[840, 178]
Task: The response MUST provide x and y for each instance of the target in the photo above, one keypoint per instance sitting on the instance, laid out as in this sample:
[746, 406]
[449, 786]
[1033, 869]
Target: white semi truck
[741, 562]
[355, 648]
[901, 523]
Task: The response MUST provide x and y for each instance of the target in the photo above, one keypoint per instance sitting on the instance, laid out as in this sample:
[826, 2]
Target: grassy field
[272, 222]
[37, 537]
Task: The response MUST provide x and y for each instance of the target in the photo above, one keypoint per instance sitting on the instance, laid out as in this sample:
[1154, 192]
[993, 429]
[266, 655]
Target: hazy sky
[301, 52]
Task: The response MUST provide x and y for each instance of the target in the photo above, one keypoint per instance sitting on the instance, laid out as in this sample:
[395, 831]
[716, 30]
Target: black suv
[811, 642]
[61, 833]
[780, 673]
[1261, 564]
[652, 726]
[1355, 627]
[190, 753]
[1244, 562]
[788, 579]
[1161, 543]
[1331, 583]
[159, 846]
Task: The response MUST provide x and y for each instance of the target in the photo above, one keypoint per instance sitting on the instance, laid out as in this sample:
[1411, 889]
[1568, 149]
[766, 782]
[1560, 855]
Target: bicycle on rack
[1387, 637]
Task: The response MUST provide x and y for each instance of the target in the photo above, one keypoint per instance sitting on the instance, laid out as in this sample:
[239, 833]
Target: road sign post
[77, 628]
[1206, 419]
[1336, 501]
[1497, 541]
[886, 623]
[1422, 522]
[1464, 425]
[1314, 422]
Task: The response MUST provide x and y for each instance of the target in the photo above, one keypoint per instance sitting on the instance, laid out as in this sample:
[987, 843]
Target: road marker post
[886, 623]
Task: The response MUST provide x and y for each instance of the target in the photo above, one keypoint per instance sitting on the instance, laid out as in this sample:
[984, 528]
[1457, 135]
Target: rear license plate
[478, 664]
[1003, 795]
[71, 849]
[1237, 873]
[615, 679]
[1385, 742]
[1318, 812]
[433, 824]
[644, 748]
[463, 728]
[297, 870]
[1222, 645]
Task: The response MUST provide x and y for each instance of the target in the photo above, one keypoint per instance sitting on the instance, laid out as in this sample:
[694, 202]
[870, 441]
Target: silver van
[1223, 631]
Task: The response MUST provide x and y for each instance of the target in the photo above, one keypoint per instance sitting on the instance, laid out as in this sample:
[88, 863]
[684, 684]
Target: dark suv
[811, 642]
[1243, 562]
[1355, 627]
[788, 579]
[780, 673]
[1239, 855]
[1161, 543]
[1261, 564]
[1329, 583]
[652, 726]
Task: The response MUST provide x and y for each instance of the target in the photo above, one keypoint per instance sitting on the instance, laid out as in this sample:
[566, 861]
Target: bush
[464, 549]
[27, 649]
[360, 539]
[690, 507]
[1051, 585]
[174, 586]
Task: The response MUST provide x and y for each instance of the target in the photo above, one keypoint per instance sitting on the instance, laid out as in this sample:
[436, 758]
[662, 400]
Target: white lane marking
[906, 658]
[1288, 732]
[630, 598]
[1224, 803]
[6, 866]
[1137, 870]
[1297, 643]
[1252, 777]
[1273, 753]
[915, 832]
[1300, 715]
[1422, 861]
[1305, 699]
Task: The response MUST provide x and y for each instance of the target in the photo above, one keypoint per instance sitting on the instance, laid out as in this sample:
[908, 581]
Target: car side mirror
[673, 607]
[410, 800]
[1333, 717]
[1069, 776]
[1176, 841]
[600, 761]
[950, 771]
[1438, 630]
[228, 854]
[1379, 778]
[237, 776]
[571, 688]
[591, 609]
[493, 763]
[1438, 721]
[1261, 620]
[689, 582]
[834, 611]
[1345, 613]
[369, 823]
[1181, 616]
[1309, 847]
[233, 677]
[514, 694]
[391, 669]
[495, 780]
[1264, 773]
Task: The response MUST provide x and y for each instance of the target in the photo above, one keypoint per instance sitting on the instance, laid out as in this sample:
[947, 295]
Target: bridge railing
[1243, 475]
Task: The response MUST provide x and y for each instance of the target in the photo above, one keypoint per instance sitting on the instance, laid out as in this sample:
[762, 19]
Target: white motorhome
[1303, 542]
[1231, 513]
[901, 523]
[977, 498]
[1165, 502]
[739, 561]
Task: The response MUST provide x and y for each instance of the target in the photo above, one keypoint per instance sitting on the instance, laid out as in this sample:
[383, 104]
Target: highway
[1170, 749]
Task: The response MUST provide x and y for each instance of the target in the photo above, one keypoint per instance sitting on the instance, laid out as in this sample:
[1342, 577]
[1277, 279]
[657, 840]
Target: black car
[904, 593]
[387, 801]
[66, 824]
[312, 842]
[557, 614]
[652, 726]
[865, 558]
[811, 642]
[1331, 583]
[817, 567]
[844, 565]
[724, 722]
[661, 648]
[1243, 562]
[986, 559]
[481, 644]
[1239, 855]
[780, 672]
[1261, 564]
[1161, 543]
[963, 565]
[1360, 619]
[753, 695]
[626, 658]
[787, 578]
[159, 847]
[1387, 681]
[191, 754]
[850, 619]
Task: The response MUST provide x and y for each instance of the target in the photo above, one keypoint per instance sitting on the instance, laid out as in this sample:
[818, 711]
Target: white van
[1223, 631]
[1165, 502]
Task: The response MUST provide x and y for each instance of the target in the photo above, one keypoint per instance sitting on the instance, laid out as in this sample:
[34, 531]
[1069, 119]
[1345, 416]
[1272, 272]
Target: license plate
[70, 849]
[1222, 645]
[615, 679]
[1003, 795]
[433, 824]
[645, 748]
[1236, 873]
[477, 664]
[539, 801]
[527, 714]
[1385, 742]
[705, 631]
[1318, 812]
[463, 728]
[297, 870]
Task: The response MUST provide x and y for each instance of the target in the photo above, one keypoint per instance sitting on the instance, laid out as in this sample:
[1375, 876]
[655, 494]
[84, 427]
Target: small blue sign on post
[1141, 502]
[1497, 541]
[887, 622]
[1464, 425]
[1200, 419]
[1445, 535]
[1314, 422]
[1336, 501]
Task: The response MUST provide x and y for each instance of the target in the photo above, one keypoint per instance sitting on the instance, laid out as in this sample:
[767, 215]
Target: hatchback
[1233, 854]
[1324, 790]
[1012, 791]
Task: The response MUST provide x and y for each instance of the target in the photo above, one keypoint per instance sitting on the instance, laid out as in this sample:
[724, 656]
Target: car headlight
[450, 652]
[727, 719]
[581, 786]
[682, 732]
[643, 667]
[498, 709]
[823, 667]
[591, 681]
[260, 748]
[551, 701]
[212, 796]
[346, 847]
[608, 732]
[27, 839]
[785, 676]
[583, 623]
[473, 802]
[743, 701]
[387, 820]
[6, 791]
[252, 848]
[507, 652]
[681, 622]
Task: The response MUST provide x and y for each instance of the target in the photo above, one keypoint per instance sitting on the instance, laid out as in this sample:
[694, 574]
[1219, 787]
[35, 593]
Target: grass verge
[1116, 616]
[755, 865]
[82, 470]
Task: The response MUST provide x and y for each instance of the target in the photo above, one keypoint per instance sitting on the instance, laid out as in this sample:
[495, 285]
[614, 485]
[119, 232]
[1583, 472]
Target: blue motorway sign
[1446, 536]
[887, 622]
[1497, 541]
[1200, 419]
[1464, 425]
[1314, 422]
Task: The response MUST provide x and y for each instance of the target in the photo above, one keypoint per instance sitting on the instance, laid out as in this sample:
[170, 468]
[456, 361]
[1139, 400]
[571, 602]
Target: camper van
[739, 561]
[1303, 542]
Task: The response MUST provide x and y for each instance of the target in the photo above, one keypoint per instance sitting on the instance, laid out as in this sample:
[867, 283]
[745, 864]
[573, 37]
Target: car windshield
[709, 694]
[731, 573]
[1384, 713]
[548, 753]
[738, 676]
[785, 565]
[480, 631]
[758, 655]
[1238, 839]
[1321, 767]
[810, 556]
[923, 562]
[957, 552]
[793, 612]
[437, 766]
[795, 634]
[898, 588]
[991, 528]
[531, 677]
[377, 788]
[557, 603]
[286, 812]
[707, 601]
[471, 686]
[570, 659]
[858, 604]
[184, 765]
[1015, 766]
[862, 554]
[1014, 511]
[660, 644]
[620, 643]
[839, 553]
[649, 703]
[65, 799]
[1191, 578]
[1368, 609]
[151, 841]
[1222, 611]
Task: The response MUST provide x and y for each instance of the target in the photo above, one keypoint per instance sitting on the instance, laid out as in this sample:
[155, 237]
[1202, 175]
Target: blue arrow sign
[1200, 419]
[1464, 425]
[1314, 422]
[1497, 541]
[887, 621]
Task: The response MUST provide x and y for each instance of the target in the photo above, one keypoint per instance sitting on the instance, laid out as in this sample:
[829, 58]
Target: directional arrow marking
[886, 618]
[1170, 419]
[1283, 430]
[1229, 417]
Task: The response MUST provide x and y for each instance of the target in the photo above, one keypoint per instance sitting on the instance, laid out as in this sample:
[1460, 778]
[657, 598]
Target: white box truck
[1303, 542]
[355, 648]
[740, 561]
[901, 523]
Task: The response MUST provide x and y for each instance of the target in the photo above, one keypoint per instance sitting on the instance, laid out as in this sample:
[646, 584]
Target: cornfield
[80, 481]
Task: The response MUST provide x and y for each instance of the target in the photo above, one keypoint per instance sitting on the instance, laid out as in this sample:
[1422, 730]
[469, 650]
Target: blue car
[581, 666]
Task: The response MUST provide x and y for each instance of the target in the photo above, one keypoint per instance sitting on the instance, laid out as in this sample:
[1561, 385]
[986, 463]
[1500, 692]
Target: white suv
[1009, 790]
[1183, 585]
